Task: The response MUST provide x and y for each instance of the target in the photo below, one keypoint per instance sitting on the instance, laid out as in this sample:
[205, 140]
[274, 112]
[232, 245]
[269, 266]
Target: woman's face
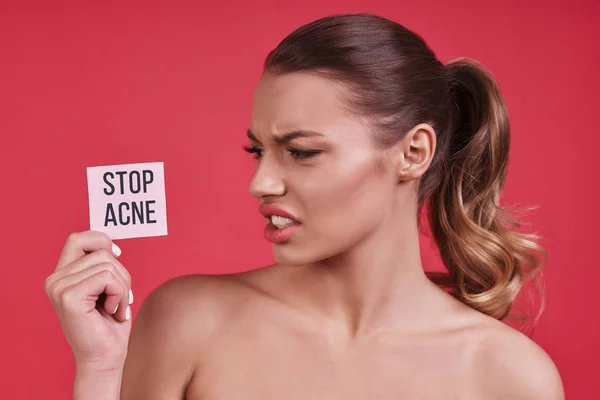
[317, 163]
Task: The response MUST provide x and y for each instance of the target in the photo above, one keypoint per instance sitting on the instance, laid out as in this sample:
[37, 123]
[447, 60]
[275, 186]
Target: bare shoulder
[172, 327]
[198, 303]
[512, 366]
[202, 303]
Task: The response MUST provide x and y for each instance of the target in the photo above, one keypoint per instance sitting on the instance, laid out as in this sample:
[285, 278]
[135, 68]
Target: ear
[415, 152]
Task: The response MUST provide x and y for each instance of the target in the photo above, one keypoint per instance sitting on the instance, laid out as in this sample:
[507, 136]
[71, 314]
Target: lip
[272, 233]
[279, 235]
[267, 210]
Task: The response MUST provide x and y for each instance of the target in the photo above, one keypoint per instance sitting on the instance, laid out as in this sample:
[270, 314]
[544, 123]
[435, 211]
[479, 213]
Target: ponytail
[487, 260]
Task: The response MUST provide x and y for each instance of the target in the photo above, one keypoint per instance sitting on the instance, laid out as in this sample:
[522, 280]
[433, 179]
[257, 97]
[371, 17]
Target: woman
[356, 126]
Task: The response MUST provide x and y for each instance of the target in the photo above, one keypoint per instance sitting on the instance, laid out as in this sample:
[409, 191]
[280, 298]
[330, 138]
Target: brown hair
[395, 78]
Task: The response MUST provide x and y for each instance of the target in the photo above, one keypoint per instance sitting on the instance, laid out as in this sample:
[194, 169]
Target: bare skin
[256, 341]
[347, 312]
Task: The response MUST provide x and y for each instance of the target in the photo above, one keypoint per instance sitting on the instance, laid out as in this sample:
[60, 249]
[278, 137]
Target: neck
[374, 286]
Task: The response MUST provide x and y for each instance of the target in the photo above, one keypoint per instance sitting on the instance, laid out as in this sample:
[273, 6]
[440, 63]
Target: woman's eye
[295, 153]
[256, 151]
[303, 154]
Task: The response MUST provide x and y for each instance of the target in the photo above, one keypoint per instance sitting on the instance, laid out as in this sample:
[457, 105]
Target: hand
[90, 291]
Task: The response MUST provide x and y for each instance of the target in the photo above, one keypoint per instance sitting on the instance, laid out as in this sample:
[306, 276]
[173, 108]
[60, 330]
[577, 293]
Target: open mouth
[281, 225]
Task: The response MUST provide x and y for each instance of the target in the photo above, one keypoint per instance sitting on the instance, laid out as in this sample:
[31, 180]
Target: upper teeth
[281, 222]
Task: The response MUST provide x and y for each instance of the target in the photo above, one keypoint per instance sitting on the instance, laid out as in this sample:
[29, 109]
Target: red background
[84, 84]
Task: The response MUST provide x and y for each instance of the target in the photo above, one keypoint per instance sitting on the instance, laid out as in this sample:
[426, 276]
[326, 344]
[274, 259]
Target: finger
[75, 278]
[84, 294]
[80, 243]
[95, 258]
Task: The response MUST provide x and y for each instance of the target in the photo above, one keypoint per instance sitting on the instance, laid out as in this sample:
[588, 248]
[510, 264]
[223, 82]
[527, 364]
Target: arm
[163, 344]
[92, 385]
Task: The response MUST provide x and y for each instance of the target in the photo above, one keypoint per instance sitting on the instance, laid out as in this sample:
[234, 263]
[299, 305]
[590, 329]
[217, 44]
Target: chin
[287, 254]
[293, 255]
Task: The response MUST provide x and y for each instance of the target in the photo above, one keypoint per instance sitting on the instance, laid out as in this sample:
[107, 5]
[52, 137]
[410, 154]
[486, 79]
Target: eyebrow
[287, 137]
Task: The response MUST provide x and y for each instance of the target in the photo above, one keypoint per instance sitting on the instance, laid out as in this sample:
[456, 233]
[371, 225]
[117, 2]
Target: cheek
[346, 201]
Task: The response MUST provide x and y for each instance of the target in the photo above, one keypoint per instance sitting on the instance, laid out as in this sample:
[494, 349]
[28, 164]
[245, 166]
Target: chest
[291, 370]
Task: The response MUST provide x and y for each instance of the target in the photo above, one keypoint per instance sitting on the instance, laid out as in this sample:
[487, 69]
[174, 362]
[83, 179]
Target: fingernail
[116, 250]
[116, 308]
[130, 297]
[128, 313]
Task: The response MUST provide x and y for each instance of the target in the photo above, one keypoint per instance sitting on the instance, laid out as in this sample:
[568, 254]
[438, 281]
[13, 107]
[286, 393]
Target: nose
[267, 180]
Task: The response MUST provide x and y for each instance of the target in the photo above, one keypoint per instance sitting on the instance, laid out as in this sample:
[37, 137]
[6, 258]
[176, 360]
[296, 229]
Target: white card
[128, 201]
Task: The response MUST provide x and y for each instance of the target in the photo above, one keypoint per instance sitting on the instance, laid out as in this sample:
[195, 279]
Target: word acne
[138, 212]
